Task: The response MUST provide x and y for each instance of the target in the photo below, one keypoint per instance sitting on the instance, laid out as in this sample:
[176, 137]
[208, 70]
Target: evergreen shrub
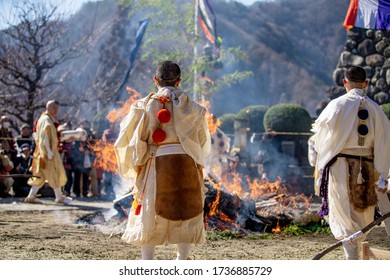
[285, 117]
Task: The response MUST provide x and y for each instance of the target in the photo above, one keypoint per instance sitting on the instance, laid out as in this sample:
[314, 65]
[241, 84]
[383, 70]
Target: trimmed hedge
[386, 109]
[227, 123]
[285, 117]
[253, 117]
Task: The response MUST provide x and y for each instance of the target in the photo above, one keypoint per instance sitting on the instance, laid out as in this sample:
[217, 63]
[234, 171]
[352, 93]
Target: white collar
[169, 92]
[358, 92]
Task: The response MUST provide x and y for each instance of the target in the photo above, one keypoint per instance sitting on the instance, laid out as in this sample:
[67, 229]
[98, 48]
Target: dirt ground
[50, 232]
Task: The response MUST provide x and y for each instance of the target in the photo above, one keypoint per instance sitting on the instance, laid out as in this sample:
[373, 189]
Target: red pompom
[159, 135]
[164, 115]
[138, 209]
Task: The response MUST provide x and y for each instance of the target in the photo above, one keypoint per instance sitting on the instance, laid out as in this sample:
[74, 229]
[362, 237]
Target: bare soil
[49, 232]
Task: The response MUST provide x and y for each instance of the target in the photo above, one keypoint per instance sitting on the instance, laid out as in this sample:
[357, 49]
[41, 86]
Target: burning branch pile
[231, 203]
[261, 207]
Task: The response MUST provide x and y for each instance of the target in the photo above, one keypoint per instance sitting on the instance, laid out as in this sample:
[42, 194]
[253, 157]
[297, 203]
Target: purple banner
[383, 16]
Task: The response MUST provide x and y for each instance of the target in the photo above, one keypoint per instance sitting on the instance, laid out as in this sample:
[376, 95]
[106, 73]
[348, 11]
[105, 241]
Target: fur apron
[179, 187]
[363, 195]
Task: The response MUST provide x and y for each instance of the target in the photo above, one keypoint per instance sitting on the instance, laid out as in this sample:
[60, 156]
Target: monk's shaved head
[52, 107]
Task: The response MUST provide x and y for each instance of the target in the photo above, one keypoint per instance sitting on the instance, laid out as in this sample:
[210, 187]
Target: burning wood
[263, 207]
[287, 209]
[95, 218]
[227, 211]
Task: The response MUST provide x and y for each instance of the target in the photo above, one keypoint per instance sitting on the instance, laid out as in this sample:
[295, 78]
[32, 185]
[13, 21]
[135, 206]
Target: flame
[225, 218]
[257, 190]
[120, 114]
[212, 122]
[277, 229]
[259, 187]
[105, 156]
[105, 153]
[214, 206]
[233, 184]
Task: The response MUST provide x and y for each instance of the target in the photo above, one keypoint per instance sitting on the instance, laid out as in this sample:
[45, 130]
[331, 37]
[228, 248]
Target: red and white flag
[368, 14]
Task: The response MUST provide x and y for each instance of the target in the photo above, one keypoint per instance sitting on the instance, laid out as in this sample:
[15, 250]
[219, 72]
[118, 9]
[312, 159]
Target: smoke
[122, 185]
[63, 216]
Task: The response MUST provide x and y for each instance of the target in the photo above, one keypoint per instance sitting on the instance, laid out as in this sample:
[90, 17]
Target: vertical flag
[208, 25]
[133, 54]
[138, 39]
[369, 14]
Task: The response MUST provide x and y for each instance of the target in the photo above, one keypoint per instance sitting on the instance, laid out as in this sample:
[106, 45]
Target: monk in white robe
[358, 160]
[169, 189]
[47, 165]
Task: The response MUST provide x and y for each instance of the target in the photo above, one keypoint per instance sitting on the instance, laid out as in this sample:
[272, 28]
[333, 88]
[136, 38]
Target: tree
[30, 50]
[171, 37]
[113, 57]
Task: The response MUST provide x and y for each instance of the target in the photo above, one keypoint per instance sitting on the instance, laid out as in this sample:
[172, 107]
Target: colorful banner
[368, 14]
[208, 25]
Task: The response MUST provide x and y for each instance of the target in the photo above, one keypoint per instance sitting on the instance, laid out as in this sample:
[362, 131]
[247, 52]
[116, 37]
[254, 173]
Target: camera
[2, 152]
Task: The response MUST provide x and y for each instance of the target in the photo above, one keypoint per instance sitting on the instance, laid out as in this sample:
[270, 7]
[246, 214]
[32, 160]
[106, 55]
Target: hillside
[293, 45]
[293, 48]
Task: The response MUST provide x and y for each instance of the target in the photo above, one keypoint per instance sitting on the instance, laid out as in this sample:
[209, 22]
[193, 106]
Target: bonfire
[232, 202]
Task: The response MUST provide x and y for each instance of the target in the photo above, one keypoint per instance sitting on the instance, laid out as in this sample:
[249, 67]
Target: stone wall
[370, 49]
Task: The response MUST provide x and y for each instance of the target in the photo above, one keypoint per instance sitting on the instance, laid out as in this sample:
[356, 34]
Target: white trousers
[182, 251]
[352, 250]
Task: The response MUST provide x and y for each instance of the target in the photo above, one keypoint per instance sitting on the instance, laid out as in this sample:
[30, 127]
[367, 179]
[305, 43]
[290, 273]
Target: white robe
[336, 132]
[133, 150]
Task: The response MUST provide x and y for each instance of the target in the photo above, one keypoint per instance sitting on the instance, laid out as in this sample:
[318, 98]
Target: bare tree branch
[29, 51]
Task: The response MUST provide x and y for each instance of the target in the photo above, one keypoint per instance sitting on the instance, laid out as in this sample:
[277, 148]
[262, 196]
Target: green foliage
[214, 235]
[386, 109]
[285, 117]
[291, 230]
[258, 236]
[170, 36]
[222, 235]
[311, 228]
[229, 80]
[227, 123]
[253, 117]
[238, 54]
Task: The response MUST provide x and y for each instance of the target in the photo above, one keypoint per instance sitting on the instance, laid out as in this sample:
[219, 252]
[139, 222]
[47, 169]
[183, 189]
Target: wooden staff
[128, 194]
[352, 237]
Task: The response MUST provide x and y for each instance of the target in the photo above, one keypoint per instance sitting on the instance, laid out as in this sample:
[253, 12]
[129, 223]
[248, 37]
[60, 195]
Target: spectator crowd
[85, 179]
